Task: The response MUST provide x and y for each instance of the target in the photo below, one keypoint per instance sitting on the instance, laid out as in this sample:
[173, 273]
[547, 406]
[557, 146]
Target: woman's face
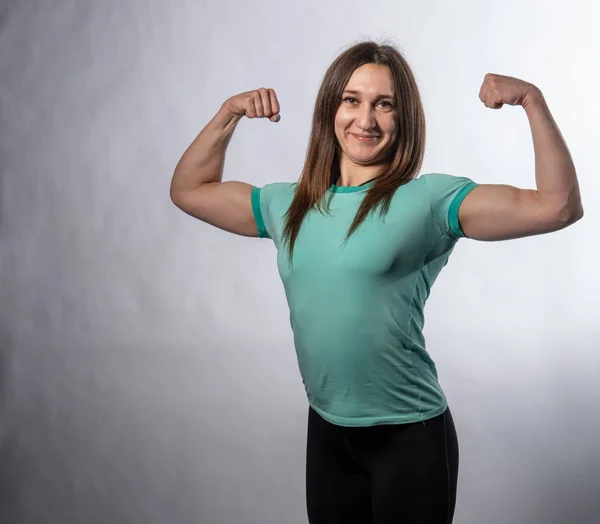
[365, 122]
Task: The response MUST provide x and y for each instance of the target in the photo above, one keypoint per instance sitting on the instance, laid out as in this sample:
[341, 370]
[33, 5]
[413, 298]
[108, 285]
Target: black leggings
[387, 474]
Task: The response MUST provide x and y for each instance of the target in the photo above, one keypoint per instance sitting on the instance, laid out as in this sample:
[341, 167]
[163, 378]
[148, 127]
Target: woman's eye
[384, 104]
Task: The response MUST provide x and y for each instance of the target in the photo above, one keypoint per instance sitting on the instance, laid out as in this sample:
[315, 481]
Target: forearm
[204, 159]
[555, 174]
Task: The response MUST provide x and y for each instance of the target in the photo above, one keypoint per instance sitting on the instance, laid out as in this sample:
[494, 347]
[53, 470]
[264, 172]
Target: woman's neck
[356, 175]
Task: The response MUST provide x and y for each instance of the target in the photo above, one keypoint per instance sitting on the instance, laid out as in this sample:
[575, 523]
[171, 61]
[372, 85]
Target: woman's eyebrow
[378, 97]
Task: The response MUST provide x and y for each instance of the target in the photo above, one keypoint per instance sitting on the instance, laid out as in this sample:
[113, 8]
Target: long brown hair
[321, 167]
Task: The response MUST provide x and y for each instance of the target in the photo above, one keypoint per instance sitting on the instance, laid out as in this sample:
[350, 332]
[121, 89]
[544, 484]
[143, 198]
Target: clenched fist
[259, 103]
[497, 90]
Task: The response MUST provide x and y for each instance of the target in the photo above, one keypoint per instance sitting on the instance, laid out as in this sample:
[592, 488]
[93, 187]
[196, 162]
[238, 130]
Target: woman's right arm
[197, 186]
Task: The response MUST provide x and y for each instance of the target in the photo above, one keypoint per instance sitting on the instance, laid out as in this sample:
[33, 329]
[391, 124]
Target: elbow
[174, 191]
[572, 214]
[577, 211]
[176, 199]
[566, 209]
[175, 196]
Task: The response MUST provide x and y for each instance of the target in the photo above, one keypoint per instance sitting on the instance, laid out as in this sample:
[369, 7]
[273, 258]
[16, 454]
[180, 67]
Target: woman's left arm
[502, 212]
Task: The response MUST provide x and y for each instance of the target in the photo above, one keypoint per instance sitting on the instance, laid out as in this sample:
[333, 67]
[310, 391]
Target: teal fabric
[356, 307]
[262, 232]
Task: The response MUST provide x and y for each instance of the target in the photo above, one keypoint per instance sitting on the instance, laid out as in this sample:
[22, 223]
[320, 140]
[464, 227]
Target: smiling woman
[360, 241]
[366, 123]
[368, 91]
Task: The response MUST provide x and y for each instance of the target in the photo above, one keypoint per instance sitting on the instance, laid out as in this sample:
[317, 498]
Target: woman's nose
[366, 118]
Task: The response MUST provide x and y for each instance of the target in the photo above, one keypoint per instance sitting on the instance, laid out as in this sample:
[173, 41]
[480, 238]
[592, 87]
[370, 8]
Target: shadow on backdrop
[10, 479]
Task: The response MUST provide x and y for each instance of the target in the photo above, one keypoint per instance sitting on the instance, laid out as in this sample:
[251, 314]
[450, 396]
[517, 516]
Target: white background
[147, 371]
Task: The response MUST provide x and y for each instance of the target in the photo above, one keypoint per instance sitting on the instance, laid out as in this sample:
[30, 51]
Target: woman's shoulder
[277, 191]
[441, 179]
[433, 178]
[280, 186]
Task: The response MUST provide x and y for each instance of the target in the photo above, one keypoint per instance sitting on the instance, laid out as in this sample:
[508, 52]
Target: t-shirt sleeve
[267, 202]
[446, 193]
[257, 209]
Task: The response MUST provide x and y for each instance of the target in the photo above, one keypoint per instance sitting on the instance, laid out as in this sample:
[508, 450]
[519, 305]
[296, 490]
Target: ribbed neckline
[351, 189]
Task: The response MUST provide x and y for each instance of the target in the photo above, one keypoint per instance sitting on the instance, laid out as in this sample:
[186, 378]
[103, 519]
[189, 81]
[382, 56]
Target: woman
[360, 241]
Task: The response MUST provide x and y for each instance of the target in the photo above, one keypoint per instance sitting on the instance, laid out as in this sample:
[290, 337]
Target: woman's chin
[363, 157]
[366, 160]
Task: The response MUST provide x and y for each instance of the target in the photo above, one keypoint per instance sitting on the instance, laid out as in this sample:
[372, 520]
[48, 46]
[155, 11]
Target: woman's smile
[365, 138]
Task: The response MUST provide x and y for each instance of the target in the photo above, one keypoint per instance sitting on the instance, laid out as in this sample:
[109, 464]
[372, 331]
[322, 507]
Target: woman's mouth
[365, 138]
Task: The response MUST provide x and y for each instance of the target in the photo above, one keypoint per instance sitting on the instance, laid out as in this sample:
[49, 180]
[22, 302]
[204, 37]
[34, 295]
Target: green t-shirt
[356, 308]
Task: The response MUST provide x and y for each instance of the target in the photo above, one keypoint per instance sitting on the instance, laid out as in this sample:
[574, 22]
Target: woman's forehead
[371, 79]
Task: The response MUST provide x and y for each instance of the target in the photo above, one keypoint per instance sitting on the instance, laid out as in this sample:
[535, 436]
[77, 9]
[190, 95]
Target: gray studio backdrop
[147, 371]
